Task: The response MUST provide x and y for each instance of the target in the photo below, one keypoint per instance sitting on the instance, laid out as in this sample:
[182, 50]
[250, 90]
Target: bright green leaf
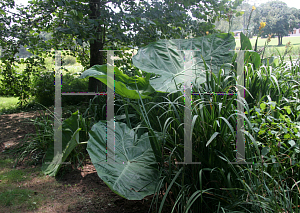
[70, 137]
[245, 42]
[124, 85]
[263, 106]
[288, 109]
[162, 58]
[132, 175]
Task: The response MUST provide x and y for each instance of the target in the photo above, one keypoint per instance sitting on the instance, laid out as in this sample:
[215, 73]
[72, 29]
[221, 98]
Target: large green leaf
[253, 58]
[162, 58]
[70, 137]
[245, 42]
[250, 56]
[124, 85]
[132, 175]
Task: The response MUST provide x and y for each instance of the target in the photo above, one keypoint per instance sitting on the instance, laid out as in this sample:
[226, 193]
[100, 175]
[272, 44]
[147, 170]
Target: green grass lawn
[295, 41]
[7, 103]
[273, 45]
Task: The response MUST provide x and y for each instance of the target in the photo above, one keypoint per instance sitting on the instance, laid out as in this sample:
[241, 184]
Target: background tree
[279, 18]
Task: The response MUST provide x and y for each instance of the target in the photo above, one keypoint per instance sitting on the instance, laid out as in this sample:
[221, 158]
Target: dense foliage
[43, 89]
[150, 106]
[149, 136]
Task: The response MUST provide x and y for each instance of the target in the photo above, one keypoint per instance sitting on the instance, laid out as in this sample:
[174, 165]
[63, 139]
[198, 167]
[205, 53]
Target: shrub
[5, 90]
[43, 88]
[71, 83]
[69, 60]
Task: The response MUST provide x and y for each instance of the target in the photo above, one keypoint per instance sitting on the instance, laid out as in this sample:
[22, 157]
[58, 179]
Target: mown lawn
[295, 41]
[8, 103]
[273, 45]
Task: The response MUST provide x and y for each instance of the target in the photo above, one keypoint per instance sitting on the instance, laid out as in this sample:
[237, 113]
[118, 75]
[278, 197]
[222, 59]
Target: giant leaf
[70, 137]
[245, 42]
[132, 175]
[166, 58]
[124, 85]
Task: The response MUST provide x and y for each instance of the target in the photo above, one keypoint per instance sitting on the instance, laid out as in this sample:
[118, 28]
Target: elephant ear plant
[70, 139]
[166, 58]
[124, 85]
[135, 173]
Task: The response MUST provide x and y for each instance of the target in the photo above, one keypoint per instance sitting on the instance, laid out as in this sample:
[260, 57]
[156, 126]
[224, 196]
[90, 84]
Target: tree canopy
[87, 26]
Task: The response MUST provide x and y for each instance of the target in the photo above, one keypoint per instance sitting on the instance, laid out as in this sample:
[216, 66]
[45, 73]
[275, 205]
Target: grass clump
[15, 196]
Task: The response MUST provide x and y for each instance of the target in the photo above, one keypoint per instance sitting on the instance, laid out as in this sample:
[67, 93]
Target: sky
[290, 3]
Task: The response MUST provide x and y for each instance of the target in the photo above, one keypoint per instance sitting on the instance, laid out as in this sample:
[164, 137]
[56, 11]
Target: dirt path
[74, 191]
[14, 127]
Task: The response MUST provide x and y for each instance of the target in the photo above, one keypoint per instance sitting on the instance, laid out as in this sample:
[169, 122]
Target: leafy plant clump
[149, 153]
[43, 88]
[69, 60]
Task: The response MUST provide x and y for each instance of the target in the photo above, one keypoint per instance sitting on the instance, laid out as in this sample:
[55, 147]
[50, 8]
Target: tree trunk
[96, 56]
[278, 39]
[281, 40]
